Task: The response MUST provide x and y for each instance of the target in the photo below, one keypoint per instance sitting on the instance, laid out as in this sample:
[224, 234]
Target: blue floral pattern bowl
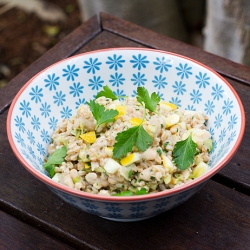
[57, 91]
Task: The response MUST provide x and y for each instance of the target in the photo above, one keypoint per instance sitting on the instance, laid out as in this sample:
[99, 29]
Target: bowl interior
[56, 92]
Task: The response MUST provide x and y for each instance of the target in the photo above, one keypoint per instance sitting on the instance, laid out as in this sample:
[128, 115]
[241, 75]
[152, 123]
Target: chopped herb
[130, 173]
[55, 159]
[124, 193]
[166, 143]
[184, 152]
[162, 126]
[159, 151]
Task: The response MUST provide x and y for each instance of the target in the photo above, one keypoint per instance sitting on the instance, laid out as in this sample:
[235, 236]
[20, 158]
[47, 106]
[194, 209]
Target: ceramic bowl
[56, 92]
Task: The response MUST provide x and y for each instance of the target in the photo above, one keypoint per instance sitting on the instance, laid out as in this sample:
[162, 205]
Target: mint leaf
[107, 92]
[149, 101]
[55, 159]
[101, 114]
[184, 152]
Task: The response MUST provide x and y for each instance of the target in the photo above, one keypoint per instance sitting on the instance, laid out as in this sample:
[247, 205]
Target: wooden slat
[65, 48]
[18, 235]
[154, 40]
[204, 222]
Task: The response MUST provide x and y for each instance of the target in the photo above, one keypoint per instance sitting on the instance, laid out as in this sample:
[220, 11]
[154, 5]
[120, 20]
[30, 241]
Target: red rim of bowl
[160, 194]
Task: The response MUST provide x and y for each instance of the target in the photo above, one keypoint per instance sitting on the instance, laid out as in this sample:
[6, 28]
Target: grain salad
[130, 146]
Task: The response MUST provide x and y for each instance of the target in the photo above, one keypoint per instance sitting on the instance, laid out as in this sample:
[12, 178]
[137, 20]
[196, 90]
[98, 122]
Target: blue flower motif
[52, 123]
[31, 137]
[192, 108]
[232, 121]
[92, 65]
[25, 154]
[134, 93]
[160, 95]
[45, 136]
[31, 152]
[217, 92]
[80, 102]
[76, 89]
[209, 107]
[20, 139]
[211, 131]
[115, 62]
[113, 208]
[40, 160]
[36, 94]
[137, 207]
[222, 135]
[228, 105]
[115, 215]
[120, 94]
[139, 79]
[196, 96]
[41, 150]
[218, 121]
[179, 88]
[35, 122]
[90, 205]
[231, 137]
[162, 203]
[52, 81]
[184, 70]
[45, 109]
[162, 64]
[137, 215]
[59, 98]
[71, 72]
[96, 83]
[139, 61]
[20, 124]
[25, 108]
[66, 112]
[160, 82]
[175, 101]
[116, 79]
[203, 80]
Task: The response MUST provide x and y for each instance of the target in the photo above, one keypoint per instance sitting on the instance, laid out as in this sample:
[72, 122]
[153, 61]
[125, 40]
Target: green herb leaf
[149, 101]
[124, 193]
[55, 159]
[107, 92]
[100, 114]
[141, 191]
[127, 139]
[184, 152]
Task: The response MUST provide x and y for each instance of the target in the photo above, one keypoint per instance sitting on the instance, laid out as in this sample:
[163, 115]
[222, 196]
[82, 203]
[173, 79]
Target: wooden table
[217, 217]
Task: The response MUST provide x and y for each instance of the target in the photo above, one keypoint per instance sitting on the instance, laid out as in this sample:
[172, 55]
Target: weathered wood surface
[218, 217]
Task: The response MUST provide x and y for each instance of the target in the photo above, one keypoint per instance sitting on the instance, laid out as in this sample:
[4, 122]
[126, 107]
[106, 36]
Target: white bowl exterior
[56, 92]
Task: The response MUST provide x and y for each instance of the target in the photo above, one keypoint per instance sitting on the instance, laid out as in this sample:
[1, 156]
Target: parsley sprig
[100, 114]
[55, 159]
[184, 152]
[108, 93]
[149, 101]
